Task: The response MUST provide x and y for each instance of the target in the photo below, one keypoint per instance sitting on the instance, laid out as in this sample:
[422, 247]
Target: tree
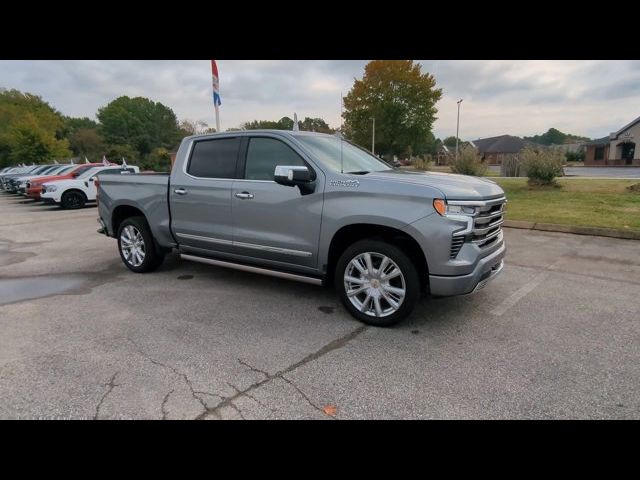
[193, 127]
[139, 123]
[87, 142]
[315, 125]
[451, 142]
[158, 160]
[554, 136]
[285, 123]
[73, 124]
[402, 100]
[30, 129]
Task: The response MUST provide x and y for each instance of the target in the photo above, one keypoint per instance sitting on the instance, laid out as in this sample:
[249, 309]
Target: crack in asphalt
[164, 404]
[111, 386]
[304, 395]
[184, 376]
[329, 347]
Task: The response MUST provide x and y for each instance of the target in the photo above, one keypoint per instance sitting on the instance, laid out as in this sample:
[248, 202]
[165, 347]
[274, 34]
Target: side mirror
[93, 179]
[291, 175]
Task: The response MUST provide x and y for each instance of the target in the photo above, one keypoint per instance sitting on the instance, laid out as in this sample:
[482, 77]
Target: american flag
[216, 84]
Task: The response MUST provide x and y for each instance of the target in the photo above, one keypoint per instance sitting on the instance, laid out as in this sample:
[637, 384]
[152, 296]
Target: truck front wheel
[136, 246]
[377, 282]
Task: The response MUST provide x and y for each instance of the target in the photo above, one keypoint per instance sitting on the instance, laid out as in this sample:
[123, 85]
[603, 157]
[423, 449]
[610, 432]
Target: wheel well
[350, 234]
[121, 213]
[76, 191]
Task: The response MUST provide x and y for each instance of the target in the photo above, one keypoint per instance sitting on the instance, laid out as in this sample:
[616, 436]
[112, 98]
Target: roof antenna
[295, 122]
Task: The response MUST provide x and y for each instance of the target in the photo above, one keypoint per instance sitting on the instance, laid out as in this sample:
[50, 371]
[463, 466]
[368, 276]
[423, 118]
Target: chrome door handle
[244, 195]
[180, 191]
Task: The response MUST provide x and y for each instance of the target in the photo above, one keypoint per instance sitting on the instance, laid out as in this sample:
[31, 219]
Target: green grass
[583, 202]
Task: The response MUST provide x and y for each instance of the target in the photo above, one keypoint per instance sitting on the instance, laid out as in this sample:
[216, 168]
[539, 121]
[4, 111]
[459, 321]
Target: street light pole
[458, 128]
[373, 136]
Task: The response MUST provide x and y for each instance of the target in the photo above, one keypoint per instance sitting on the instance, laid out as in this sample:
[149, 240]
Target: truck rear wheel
[377, 282]
[136, 246]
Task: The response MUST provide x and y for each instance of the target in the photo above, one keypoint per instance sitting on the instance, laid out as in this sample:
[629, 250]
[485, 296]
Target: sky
[590, 98]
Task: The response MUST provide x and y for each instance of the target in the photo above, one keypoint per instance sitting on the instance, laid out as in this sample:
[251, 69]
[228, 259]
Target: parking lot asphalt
[556, 335]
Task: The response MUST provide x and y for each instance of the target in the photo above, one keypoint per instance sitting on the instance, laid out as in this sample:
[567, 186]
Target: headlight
[444, 209]
[50, 188]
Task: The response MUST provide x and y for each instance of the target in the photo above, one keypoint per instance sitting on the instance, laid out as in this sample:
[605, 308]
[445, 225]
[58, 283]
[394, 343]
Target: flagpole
[216, 92]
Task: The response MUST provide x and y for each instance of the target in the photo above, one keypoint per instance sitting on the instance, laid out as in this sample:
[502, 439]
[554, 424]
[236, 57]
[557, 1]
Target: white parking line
[519, 294]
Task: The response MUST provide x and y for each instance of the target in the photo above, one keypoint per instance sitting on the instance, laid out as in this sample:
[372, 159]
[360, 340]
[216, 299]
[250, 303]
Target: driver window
[264, 154]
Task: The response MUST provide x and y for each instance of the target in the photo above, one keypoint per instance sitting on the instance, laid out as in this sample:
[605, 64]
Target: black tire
[152, 258]
[409, 280]
[72, 200]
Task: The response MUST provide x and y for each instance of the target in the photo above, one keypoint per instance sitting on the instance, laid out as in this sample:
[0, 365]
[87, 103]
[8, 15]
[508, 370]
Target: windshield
[354, 159]
[91, 171]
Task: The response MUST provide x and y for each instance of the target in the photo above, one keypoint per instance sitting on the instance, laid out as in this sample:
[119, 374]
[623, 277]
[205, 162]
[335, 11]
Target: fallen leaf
[330, 410]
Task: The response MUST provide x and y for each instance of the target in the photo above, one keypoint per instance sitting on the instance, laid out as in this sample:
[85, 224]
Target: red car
[34, 186]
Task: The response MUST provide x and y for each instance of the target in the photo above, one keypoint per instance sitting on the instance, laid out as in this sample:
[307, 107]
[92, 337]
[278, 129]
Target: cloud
[516, 97]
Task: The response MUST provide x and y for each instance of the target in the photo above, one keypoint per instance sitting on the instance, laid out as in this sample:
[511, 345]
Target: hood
[52, 178]
[454, 187]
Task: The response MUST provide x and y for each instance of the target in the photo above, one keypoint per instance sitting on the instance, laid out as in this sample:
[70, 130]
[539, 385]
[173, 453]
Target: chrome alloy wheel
[132, 245]
[374, 284]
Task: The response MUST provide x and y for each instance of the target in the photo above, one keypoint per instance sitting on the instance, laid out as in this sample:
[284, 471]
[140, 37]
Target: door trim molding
[219, 241]
[262, 248]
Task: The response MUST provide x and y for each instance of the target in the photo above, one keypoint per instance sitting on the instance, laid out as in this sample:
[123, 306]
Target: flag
[71, 161]
[86, 160]
[105, 162]
[216, 84]
[124, 163]
[55, 162]
[295, 122]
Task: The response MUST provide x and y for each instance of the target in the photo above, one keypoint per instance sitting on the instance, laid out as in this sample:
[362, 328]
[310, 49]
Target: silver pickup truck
[315, 208]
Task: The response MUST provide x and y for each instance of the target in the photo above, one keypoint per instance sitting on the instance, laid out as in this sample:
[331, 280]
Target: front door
[628, 150]
[200, 196]
[275, 223]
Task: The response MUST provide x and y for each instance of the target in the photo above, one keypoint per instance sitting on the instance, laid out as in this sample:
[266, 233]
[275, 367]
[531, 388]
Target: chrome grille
[484, 228]
[487, 225]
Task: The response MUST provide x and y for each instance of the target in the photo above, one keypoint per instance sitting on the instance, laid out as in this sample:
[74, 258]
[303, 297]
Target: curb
[576, 230]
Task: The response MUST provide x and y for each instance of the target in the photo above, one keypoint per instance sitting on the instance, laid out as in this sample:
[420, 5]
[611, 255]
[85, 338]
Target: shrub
[468, 163]
[575, 156]
[423, 162]
[543, 166]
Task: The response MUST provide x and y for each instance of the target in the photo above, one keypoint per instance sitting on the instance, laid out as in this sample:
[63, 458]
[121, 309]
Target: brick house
[618, 149]
[492, 149]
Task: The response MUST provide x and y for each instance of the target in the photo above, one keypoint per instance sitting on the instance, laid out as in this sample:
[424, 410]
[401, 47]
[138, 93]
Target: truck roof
[290, 133]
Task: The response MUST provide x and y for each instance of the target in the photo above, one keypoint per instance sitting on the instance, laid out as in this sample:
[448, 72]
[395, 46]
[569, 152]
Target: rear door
[272, 222]
[200, 195]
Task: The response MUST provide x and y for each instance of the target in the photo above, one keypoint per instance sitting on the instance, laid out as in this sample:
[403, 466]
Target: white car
[76, 192]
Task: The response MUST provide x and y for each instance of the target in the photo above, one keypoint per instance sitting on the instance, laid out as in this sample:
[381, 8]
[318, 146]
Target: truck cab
[316, 208]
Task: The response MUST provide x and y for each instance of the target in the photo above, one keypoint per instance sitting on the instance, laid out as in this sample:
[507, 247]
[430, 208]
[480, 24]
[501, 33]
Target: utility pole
[458, 128]
[373, 136]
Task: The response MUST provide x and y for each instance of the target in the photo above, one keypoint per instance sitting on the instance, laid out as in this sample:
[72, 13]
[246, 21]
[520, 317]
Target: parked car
[20, 183]
[76, 192]
[34, 186]
[316, 208]
[16, 171]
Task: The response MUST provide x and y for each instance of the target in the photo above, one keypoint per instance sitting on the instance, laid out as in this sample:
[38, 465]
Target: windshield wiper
[359, 172]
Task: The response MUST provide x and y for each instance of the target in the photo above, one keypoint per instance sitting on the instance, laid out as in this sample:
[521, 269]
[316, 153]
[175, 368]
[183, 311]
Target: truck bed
[148, 192]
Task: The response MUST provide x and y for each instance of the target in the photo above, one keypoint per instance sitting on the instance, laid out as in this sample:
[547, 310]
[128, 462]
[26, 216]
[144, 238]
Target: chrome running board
[248, 268]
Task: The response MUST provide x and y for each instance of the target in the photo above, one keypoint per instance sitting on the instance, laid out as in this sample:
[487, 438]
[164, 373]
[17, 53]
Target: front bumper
[486, 270]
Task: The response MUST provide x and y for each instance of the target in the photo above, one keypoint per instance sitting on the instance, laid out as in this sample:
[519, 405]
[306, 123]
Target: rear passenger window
[264, 154]
[214, 158]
